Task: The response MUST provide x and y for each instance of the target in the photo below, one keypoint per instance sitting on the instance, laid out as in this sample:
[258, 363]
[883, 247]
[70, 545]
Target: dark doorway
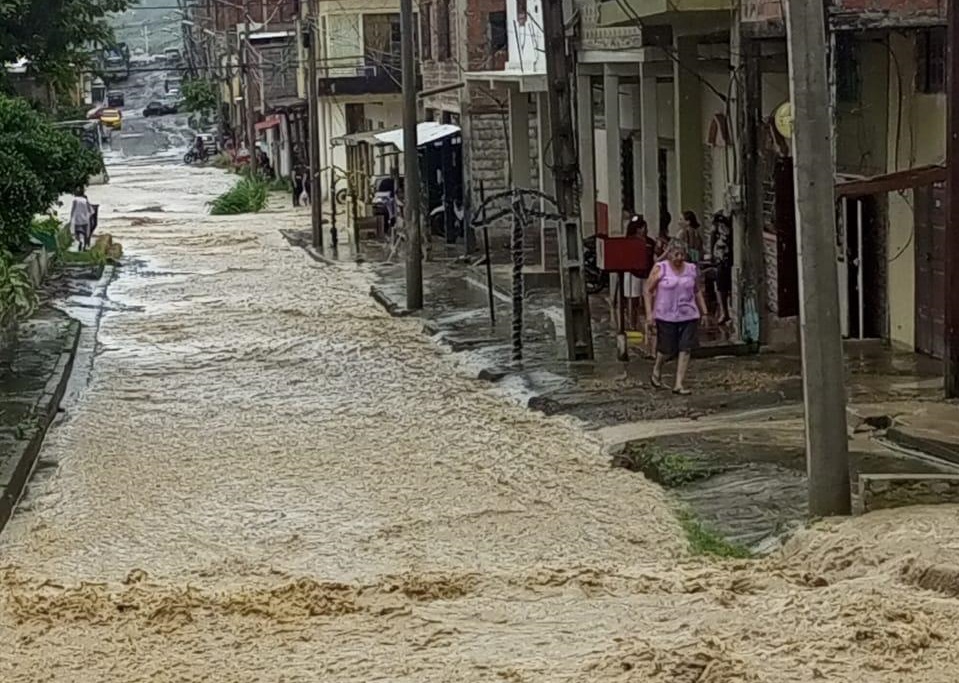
[626, 172]
[865, 281]
[663, 165]
[930, 227]
[787, 263]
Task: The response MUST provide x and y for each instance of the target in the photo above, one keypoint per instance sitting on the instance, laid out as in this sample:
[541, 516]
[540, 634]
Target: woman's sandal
[657, 382]
[682, 392]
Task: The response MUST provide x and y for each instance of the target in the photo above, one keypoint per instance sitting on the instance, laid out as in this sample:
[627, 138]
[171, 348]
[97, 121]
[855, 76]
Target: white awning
[426, 132]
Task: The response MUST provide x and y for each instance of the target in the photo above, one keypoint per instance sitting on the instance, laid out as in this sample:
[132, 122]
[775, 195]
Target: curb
[14, 477]
[390, 306]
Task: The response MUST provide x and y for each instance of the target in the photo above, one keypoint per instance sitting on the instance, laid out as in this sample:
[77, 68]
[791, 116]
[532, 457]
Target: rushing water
[268, 479]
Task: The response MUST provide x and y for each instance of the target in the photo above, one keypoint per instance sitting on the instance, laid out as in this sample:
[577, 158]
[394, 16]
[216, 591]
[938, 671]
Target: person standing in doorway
[674, 304]
[80, 214]
[722, 256]
[691, 234]
[662, 240]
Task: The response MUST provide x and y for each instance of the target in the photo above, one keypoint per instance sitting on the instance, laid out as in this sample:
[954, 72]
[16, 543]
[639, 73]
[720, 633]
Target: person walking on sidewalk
[634, 283]
[81, 212]
[675, 304]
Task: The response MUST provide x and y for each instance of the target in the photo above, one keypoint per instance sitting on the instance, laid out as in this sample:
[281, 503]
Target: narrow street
[266, 478]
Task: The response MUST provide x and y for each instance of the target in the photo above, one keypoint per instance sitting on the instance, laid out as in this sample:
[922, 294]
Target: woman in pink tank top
[675, 303]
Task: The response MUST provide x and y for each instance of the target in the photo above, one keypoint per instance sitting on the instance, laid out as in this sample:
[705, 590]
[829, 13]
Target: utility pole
[316, 206]
[246, 57]
[411, 191]
[951, 379]
[559, 70]
[827, 455]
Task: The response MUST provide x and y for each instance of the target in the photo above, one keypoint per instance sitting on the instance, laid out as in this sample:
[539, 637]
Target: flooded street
[266, 478]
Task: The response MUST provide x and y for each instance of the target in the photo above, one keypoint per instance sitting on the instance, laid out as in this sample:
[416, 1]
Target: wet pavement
[264, 477]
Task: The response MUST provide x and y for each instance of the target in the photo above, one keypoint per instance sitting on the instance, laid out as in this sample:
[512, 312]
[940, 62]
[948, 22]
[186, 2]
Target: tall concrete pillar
[587, 153]
[637, 143]
[649, 144]
[689, 125]
[614, 153]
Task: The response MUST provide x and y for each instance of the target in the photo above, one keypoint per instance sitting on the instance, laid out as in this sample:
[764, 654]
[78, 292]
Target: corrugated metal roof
[426, 132]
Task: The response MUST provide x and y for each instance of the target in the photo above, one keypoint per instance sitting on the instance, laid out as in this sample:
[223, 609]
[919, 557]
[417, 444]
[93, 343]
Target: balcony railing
[363, 79]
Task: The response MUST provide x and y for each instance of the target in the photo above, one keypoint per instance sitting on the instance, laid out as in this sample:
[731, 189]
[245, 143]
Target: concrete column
[587, 153]
[689, 125]
[614, 155]
[547, 181]
[649, 145]
[519, 137]
[637, 142]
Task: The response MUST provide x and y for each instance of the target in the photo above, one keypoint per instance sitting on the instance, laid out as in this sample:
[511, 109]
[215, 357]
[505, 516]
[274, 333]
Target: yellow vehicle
[111, 118]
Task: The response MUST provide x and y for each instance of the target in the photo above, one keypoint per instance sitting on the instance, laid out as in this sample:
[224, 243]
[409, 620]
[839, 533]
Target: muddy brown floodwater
[268, 479]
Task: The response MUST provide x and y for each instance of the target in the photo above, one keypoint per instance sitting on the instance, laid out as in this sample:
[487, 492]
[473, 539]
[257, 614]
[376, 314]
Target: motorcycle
[192, 155]
[596, 279]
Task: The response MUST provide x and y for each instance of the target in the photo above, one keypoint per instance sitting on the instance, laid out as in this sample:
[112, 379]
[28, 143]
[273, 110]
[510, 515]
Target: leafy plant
[64, 239]
[248, 195]
[54, 36]
[199, 95]
[705, 541]
[38, 163]
[48, 225]
[18, 299]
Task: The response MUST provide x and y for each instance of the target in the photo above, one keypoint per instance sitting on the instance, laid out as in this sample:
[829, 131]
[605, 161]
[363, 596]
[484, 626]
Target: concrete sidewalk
[35, 365]
[733, 452]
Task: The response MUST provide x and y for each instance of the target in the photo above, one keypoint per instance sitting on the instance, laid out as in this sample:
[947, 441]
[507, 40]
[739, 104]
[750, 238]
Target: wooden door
[930, 230]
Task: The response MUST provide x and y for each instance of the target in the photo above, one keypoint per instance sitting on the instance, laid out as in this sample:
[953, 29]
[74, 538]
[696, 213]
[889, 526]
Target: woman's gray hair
[676, 244]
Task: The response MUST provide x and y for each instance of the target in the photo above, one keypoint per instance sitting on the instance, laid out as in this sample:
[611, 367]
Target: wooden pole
[411, 190]
[313, 112]
[827, 456]
[579, 333]
[246, 57]
[951, 256]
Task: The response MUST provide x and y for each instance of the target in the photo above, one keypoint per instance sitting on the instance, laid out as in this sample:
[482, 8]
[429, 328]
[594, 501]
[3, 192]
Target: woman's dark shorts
[675, 338]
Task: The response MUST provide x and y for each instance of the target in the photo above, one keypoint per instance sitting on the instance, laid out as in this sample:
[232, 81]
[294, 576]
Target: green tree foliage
[199, 95]
[38, 163]
[55, 35]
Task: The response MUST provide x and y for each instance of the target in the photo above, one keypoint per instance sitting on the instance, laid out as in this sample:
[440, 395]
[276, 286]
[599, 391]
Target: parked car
[111, 118]
[157, 108]
[115, 98]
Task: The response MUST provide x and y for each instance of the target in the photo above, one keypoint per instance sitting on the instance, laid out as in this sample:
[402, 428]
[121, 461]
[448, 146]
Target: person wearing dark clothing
[721, 248]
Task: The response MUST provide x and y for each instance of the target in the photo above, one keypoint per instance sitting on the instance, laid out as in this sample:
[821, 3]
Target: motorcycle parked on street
[596, 280]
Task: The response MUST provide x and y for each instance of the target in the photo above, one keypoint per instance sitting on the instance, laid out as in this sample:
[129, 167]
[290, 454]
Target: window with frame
[848, 73]
[444, 32]
[496, 32]
[426, 31]
[931, 60]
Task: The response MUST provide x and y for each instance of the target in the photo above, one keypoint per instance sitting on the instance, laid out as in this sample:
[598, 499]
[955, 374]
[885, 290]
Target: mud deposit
[268, 479]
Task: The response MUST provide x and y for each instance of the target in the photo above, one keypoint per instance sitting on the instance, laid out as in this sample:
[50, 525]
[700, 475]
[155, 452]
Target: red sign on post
[624, 255]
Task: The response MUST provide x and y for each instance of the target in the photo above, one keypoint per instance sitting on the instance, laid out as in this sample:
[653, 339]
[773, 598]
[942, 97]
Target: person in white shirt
[80, 214]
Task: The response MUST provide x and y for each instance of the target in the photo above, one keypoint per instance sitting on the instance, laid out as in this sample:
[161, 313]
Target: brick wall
[479, 53]
[487, 162]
